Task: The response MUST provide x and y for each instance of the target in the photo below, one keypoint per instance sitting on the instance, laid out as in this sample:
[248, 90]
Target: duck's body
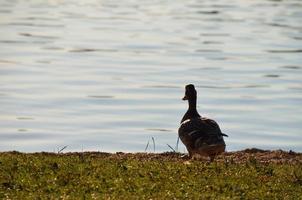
[200, 135]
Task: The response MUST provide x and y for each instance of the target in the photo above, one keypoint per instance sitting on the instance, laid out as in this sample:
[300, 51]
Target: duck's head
[190, 92]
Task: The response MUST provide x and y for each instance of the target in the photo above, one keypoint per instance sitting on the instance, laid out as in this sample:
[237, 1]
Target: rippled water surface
[108, 75]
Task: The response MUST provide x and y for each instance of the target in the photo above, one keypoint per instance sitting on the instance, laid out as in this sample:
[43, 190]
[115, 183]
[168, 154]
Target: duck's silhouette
[200, 135]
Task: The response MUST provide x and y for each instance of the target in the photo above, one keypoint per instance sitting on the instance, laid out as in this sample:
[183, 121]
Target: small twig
[62, 149]
[171, 148]
[147, 146]
[153, 144]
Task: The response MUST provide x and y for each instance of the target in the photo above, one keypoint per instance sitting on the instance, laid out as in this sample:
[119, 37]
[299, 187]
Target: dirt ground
[262, 156]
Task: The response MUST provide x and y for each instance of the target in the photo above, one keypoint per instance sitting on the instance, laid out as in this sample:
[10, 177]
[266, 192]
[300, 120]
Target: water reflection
[109, 75]
[101, 96]
[286, 51]
[292, 67]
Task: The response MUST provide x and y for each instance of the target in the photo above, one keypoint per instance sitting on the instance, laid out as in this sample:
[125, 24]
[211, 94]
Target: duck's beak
[185, 98]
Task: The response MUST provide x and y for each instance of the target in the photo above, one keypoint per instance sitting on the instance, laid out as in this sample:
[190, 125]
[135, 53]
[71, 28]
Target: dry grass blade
[171, 148]
[177, 142]
[147, 146]
[60, 151]
[153, 144]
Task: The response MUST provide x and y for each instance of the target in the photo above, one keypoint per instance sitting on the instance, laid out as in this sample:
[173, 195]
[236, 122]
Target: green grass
[144, 176]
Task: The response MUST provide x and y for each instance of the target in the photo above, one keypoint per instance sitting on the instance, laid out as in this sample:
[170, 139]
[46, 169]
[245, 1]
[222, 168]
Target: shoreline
[241, 156]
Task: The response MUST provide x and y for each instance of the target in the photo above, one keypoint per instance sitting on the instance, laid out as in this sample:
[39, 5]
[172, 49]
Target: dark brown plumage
[200, 135]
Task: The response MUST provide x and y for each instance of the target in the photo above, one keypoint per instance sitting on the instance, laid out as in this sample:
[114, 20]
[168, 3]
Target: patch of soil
[253, 154]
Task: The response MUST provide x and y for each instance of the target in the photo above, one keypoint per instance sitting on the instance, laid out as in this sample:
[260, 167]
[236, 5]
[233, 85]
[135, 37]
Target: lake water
[108, 75]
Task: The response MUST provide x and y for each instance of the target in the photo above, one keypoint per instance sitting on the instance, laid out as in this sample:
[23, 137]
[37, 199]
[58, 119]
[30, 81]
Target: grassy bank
[249, 174]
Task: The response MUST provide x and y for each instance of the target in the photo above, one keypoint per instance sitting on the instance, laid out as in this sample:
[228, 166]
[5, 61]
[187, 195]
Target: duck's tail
[225, 135]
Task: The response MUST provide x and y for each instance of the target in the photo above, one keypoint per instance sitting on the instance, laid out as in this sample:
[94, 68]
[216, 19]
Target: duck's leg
[188, 156]
[192, 153]
[212, 157]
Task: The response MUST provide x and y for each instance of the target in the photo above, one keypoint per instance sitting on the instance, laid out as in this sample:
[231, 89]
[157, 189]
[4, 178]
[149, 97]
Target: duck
[200, 135]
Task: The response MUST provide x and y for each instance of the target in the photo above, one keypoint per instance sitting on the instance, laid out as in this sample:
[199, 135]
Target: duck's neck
[192, 104]
[192, 111]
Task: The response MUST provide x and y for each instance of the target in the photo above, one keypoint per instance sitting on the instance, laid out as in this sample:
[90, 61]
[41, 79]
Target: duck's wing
[200, 131]
[213, 126]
